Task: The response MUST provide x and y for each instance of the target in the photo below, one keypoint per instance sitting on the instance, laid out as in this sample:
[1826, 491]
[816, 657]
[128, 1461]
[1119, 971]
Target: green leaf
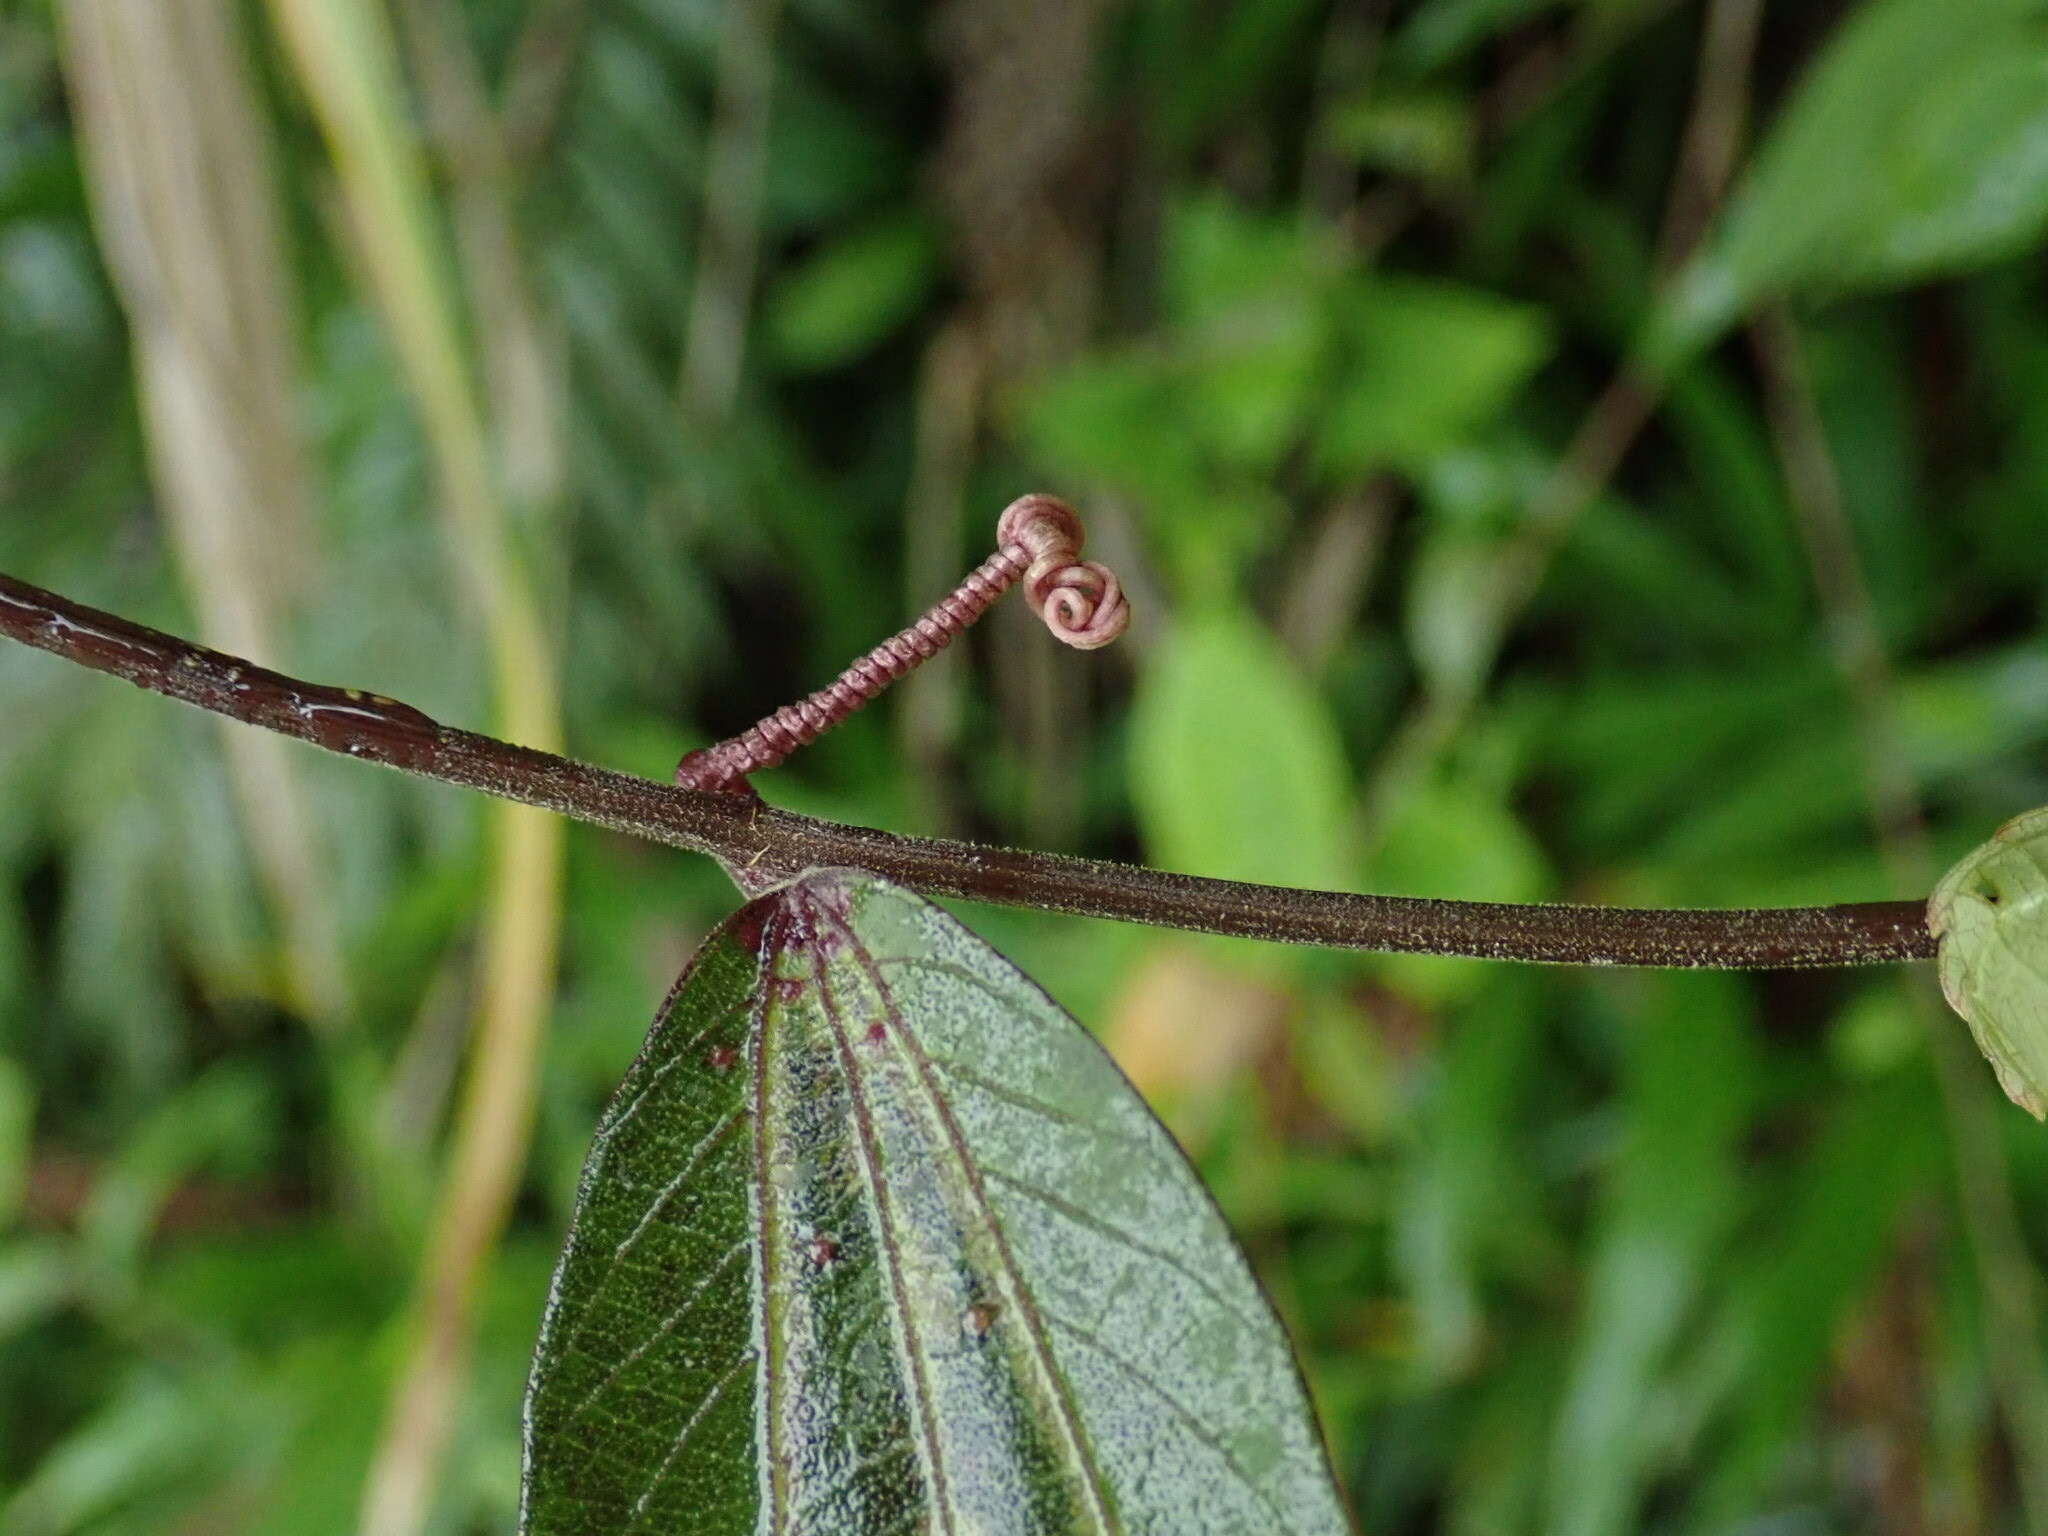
[1824, 1246]
[145, 1436]
[1222, 260]
[1455, 611]
[1671, 1199]
[875, 1237]
[1246, 292]
[1236, 766]
[1990, 914]
[1112, 416]
[17, 1126]
[1453, 837]
[1458, 1194]
[851, 294]
[1917, 146]
[1431, 135]
[1428, 363]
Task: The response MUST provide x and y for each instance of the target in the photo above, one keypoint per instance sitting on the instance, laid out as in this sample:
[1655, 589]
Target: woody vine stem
[712, 810]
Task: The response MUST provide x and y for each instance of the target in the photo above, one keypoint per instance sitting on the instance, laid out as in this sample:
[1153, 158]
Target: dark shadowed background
[1590, 451]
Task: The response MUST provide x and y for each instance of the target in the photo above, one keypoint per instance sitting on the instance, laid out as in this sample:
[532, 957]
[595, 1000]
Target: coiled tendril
[1038, 539]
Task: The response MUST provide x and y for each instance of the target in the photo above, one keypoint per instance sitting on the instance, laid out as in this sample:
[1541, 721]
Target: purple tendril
[1038, 539]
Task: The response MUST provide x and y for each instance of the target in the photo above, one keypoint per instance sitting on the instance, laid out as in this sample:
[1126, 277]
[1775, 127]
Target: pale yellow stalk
[346, 62]
[179, 166]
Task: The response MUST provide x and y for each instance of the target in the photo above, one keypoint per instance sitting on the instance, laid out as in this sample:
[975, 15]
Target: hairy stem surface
[765, 844]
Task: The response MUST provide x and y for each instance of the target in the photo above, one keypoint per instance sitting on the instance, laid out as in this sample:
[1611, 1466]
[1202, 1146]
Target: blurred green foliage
[1305, 306]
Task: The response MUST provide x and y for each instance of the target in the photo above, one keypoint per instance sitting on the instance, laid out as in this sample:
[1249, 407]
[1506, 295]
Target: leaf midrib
[885, 1231]
[1016, 1292]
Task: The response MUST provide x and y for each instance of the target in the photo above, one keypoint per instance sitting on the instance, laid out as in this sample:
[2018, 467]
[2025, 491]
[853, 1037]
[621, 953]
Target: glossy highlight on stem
[775, 845]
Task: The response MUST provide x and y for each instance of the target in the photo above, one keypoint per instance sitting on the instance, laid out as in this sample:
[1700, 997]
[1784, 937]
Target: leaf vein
[689, 1428]
[1188, 1417]
[885, 1229]
[666, 1327]
[1084, 1218]
[1020, 1294]
[697, 1154]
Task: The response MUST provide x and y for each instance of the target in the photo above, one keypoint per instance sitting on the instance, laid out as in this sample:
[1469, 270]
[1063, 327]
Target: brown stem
[769, 844]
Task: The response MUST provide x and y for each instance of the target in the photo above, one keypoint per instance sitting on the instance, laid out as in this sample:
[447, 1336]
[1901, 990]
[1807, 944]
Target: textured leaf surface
[1991, 915]
[875, 1238]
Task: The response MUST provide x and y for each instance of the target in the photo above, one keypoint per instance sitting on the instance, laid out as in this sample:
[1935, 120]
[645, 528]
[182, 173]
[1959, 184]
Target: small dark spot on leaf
[721, 1057]
[978, 1319]
[877, 1032]
[823, 1251]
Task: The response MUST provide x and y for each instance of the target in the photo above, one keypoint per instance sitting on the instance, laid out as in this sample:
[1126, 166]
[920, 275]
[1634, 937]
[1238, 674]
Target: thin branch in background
[179, 168]
[538, 78]
[1712, 138]
[520, 359]
[1331, 577]
[929, 712]
[1014, 173]
[346, 61]
[2007, 1274]
[1426, 732]
[1715, 130]
[740, 831]
[1346, 61]
[729, 234]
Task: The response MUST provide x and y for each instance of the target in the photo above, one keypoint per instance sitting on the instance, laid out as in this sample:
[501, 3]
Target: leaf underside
[1990, 916]
[875, 1238]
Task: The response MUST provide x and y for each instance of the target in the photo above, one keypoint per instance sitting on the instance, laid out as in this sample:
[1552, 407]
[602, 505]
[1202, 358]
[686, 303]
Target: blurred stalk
[346, 61]
[179, 167]
[1347, 62]
[1025, 243]
[1713, 136]
[537, 79]
[518, 354]
[729, 235]
[1437, 719]
[2006, 1274]
[1333, 573]
[929, 711]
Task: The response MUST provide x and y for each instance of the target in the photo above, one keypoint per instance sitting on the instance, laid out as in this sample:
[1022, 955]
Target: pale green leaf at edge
[875, 1237]
[1916, 146]
[1990, 916]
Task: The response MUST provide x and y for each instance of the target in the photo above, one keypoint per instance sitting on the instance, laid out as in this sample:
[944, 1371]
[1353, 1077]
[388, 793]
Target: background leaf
[1426, 363]
[850, 295]
[1236, 767]
[1672, 1195]
[1917, 144]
